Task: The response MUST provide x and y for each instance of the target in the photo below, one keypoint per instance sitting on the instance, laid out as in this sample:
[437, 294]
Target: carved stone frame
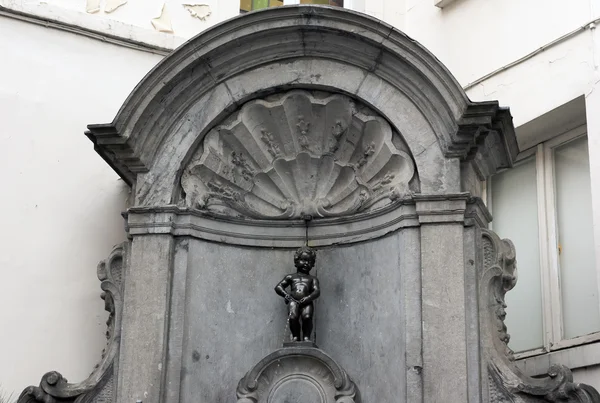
[455, 353]
[505, 382]
[100, 386]
[292, 363]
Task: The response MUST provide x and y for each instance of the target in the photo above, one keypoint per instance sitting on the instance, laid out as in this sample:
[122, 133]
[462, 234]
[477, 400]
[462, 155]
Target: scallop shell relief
[295, 154]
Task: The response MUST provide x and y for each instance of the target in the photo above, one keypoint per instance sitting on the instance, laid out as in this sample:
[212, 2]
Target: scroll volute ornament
[506, 383]
[306, 374]
[298, 153]
[101, 384]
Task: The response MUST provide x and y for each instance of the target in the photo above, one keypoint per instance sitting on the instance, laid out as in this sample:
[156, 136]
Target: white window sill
[572, 357]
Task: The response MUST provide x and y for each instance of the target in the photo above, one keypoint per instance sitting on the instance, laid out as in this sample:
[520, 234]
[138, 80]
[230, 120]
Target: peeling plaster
[162, 23]
[112, 5]
[92, 6]
[200, 11]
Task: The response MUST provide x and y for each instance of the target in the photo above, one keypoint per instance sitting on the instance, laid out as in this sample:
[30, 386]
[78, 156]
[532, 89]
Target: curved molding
[295, 154]
[101, 384]
[410, 212]
[506, 383]
[181, 221]
[310, 366]
[301, 47]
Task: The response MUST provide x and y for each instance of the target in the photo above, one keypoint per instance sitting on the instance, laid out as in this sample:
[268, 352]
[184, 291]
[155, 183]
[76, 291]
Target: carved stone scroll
[299, 153]
[306, 374]
[100, 386]
[506, 383]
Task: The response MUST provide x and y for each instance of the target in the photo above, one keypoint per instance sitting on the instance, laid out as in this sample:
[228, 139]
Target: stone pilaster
[145, 313]
[443, 292]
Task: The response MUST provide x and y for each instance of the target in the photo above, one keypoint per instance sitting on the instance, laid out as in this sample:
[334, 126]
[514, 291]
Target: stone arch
[389, 299]
[299, 153]
[305, 47]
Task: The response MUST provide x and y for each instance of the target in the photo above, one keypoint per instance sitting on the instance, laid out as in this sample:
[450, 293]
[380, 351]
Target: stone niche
[229, 145]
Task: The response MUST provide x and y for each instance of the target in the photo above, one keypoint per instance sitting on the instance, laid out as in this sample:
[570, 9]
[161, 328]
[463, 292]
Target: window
[544, 206]
[251, 5]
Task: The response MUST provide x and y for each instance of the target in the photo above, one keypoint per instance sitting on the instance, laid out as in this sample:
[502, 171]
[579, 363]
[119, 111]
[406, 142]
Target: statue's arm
[316, 292]
[280, 288]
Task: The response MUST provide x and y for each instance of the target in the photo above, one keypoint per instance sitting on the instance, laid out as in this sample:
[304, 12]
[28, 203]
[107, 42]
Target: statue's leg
[307, 321]
[294, 320]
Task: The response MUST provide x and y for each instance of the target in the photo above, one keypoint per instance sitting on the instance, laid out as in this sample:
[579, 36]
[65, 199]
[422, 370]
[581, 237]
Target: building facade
[69, 63]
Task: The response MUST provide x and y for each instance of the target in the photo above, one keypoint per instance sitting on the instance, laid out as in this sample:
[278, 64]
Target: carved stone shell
[298, 153]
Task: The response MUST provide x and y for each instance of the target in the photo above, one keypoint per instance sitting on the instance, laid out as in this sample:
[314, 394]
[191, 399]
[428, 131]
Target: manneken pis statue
[304, 289]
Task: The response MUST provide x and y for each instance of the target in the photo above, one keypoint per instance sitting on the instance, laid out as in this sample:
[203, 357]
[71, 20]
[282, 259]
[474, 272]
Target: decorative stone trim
[182, 221]
[207, 69]
[505, 382]
[290, 368]
[435, 209]
[299, 153]
[100, 386]
[477, 213]
[411, 212]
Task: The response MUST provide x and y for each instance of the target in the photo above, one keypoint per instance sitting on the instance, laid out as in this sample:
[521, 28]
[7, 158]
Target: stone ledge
[181, 221]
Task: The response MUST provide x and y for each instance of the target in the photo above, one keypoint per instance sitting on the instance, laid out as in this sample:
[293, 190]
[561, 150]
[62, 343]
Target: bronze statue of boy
[304, 289]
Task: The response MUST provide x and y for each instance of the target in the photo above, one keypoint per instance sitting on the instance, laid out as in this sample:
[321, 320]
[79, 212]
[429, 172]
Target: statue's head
[304, 259]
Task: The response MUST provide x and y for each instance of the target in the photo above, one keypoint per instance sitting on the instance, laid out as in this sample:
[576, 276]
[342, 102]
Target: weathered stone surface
[412, 284]
[304, 47]
[504, 381]
[299, 153]
[100, 386]
[361, 320]
[359, 316]
[146, 314]
[297, 375]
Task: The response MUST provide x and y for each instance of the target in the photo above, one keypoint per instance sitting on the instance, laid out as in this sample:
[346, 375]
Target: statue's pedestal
[299, 373]
[300, 344]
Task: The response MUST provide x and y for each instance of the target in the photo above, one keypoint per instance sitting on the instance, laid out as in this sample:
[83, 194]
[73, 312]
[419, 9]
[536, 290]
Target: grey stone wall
[233, 318]
[413, 300]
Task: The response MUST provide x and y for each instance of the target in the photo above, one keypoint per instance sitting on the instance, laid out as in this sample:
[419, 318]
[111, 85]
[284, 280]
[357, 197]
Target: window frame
[552, 320]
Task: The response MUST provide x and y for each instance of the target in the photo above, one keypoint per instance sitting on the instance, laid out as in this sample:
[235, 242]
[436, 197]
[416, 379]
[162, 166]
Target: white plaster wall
[475, 37]
[133, 19]
[61, 202]
[140, 13]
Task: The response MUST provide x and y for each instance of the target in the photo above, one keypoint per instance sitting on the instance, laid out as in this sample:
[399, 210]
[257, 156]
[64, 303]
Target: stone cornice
[495, 143]
[464, 129]
[452, 208]
[421, 209]
[444, 208]
[181, 221]
[477, 213]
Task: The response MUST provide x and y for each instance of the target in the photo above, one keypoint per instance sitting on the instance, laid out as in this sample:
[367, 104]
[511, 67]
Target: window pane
[249, 5]
[579, 285]
[245, 5]
[515, 211]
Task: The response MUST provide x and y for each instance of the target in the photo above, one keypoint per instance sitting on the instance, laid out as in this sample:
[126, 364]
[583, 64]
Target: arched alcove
[305, 47]
[262, 120]
[230, 144]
